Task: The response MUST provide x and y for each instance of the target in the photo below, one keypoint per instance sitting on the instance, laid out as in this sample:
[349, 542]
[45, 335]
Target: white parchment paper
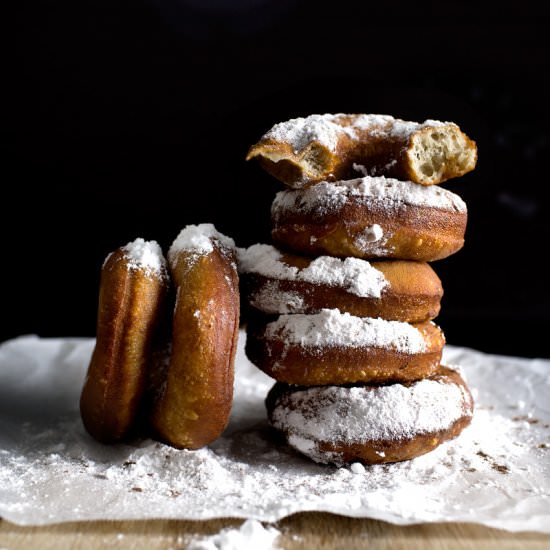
[497, 473]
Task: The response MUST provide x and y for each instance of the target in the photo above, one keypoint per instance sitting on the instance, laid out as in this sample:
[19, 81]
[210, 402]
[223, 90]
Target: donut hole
[438, 154]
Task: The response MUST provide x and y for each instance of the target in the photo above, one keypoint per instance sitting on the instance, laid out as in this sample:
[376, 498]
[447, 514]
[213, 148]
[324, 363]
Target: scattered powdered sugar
[354, 275]
[144, 255]
[387, 193]
[375, 170]
[199, 240]
[496, 473]
[330, 327]
[251, 535]
[362, 414]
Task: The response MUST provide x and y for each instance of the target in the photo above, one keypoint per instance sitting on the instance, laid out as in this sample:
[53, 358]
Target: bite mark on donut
[435, 155]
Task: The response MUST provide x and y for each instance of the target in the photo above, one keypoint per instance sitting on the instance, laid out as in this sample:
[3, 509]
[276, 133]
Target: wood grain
[319, 531]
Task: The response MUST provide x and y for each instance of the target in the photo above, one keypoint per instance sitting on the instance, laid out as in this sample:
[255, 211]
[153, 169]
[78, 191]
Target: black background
[130, 119]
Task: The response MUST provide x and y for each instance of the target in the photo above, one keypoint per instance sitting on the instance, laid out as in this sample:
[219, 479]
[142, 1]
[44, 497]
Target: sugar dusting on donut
[386, 193]
[271, 298]
[354, 275]
[345, 415]
[199, 239]
[330, 327]
[326, 129]
[386, 125]
[300, 132]
[146, 256]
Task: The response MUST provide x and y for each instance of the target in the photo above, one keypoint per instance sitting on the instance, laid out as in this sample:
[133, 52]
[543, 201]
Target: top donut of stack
[304, 151]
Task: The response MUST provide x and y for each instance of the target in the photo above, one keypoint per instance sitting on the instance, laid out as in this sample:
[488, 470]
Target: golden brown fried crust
[413, 294]
[130, 306]
[337, 365]
[386, 451]
[412, 232]
[194, 405]
[401, 155]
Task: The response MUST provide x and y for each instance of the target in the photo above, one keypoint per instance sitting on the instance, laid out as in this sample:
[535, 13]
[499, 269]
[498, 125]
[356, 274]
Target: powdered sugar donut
[331, 347]
[303, 151]
[370, 217]
[194, 401]
[276, 282]
[371, 424]
[134, 284]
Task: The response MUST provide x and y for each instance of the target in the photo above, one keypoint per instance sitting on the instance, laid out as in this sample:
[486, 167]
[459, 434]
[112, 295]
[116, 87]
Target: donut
[133, 287]
[371, 424]
[370, 217]
[194, 402]
[275, 282]
[304, 151]
[331, 348]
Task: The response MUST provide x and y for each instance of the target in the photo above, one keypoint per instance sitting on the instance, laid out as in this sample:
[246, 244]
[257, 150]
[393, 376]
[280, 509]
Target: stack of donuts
[341, 304]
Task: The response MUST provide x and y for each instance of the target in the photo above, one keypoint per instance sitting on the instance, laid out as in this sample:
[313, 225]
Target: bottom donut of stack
[373, 424]
[351, 388]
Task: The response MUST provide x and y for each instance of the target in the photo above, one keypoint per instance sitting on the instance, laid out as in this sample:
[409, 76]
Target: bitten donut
[193, 404]
[370, 217]
[305, 151]
[276, 282]
[371, 424]
[133, 287]
[331, 348]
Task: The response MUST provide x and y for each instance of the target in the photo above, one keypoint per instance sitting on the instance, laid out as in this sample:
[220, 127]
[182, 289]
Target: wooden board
[305, 530]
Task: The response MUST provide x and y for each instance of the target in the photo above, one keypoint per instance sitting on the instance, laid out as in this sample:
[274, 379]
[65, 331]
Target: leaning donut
[370, 217]
[304, 151]
[371, 424]
[133, 286]
[276, 282]
[194, 402]
[331, 348]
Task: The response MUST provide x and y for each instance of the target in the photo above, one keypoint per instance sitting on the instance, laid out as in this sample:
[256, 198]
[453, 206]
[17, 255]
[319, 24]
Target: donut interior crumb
[438, 153]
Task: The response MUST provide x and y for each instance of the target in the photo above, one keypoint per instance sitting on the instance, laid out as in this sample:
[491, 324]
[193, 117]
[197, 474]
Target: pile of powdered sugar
[385, 413]
[198, 239]
[143, 255]
[497, 472]
[331, 327]
[356, 276]
[251, 535]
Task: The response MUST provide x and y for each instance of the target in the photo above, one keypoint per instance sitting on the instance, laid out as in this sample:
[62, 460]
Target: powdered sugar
[145, 255]
[326, 129]
[496, 473]
[354, 275]
[330, 327]
[347, 415]
[251, 535]
[387, 193]
[198, 239]
[300, 132]
[372, 233]
[271, 298]
[390, 127]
